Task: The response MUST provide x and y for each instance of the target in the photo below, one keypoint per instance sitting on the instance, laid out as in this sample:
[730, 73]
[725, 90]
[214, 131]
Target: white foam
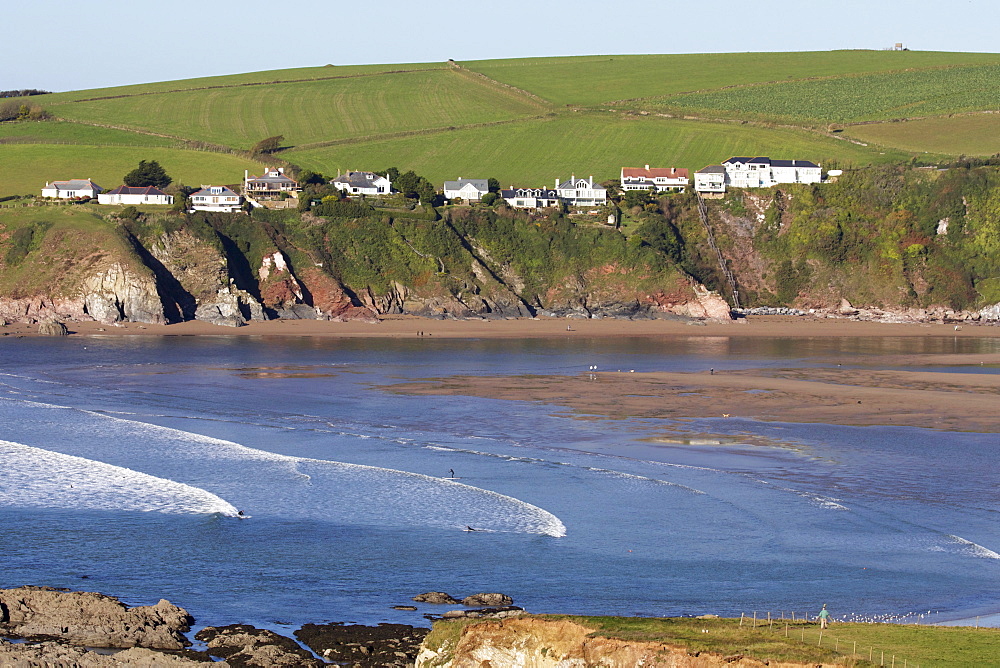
[37, 478]
[974, 549]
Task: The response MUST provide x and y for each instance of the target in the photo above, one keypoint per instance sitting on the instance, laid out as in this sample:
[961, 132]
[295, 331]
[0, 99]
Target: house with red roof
[661, 179]
[123, 195]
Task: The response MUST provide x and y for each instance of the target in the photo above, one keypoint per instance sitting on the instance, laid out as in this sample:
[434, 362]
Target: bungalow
[216, 198]
[471, 190]
[582, 192]
[530, 198]
[362, 183]
[135, 195]
[272, 182]
[71, 189]
[763, 172]
[710, 181]
[662, 179]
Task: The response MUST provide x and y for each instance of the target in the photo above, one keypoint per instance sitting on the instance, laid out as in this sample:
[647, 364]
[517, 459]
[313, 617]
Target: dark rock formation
[366, 646]
[90, 619]
[436, 597]
[52, 328]
[492, 600]
[245, 645]
[484, 613]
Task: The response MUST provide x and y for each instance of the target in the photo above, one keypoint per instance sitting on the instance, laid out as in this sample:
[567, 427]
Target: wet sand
[945, 401]
[411, 326]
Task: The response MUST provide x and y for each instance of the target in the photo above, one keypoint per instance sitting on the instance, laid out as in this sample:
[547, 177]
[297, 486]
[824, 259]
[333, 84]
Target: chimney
[281, 170]
[647, 168]
[246, 175]
[557, 184]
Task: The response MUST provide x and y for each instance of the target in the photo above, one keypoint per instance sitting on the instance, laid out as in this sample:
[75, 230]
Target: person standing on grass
[824, 615]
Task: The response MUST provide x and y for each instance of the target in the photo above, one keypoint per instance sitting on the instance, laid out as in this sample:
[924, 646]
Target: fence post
[755, 619]
[741, 619]
[793, 615]
[786, 629]
[770, 622]
[820, 643]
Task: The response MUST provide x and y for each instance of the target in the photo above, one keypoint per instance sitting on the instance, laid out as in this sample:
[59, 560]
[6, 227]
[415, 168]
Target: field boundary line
[249, 83]
[505, 87]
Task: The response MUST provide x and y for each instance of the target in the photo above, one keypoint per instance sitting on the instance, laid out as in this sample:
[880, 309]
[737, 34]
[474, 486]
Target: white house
[72, 188]
[662, 179]
[272, 182]
[582, 192]
[763, 172]
[710, 180]
[471, 190]
[530, 198]
[135, 195]
[216, 198]
[362, 183]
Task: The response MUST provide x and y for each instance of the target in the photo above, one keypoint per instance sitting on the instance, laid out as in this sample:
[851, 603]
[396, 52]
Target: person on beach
[824, 615]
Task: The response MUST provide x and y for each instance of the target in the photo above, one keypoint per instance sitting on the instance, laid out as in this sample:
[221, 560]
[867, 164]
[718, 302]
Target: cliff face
[537, 643]
[230, 269]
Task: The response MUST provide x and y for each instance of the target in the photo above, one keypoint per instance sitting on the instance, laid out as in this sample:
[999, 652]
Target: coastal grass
[974, 135]
[63, 132]
[848, 644]
[312, 111]
[27, 167]
[846, 99]
[535, 152]
[592, 80]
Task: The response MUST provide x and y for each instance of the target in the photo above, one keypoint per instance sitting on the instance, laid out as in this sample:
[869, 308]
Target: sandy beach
[847, 396]
[411, 326]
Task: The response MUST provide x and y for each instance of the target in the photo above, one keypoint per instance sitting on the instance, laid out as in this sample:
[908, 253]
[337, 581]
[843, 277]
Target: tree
[493, 185]
[490, 198]
[307, 177]
[268, 145]
[148, 174]
[407, 184]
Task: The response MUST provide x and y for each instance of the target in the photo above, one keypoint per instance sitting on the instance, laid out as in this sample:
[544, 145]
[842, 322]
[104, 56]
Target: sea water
[125, 464]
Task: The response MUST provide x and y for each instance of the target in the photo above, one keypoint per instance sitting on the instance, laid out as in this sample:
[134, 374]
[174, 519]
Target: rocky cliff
[86, 264]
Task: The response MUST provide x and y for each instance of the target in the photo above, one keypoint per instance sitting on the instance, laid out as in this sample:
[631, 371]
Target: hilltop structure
[362, 183]
[665, 179]
[471, 190]
[759, 172]
[582, 192]
[135, 195]
[272, 182]
[530, 198]
[216, 198]
[72, 189]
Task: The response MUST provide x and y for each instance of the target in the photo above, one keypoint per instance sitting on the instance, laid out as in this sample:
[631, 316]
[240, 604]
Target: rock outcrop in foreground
[90, 619]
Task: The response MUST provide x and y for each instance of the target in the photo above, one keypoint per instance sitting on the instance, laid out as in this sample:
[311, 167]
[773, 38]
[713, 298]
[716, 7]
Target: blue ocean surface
[125, 462]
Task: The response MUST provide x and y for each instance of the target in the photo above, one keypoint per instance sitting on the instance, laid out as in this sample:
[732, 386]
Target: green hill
[524, 121]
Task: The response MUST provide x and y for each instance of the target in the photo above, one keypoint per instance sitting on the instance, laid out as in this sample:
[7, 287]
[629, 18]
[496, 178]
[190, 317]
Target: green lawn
[591, 80]
[851, 98]
[535, 153]
[26, 167]
[958, 135]
[313, 111]
[58, 132]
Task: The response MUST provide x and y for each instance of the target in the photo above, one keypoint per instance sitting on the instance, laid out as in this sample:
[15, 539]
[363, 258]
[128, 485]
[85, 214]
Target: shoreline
[404, 326]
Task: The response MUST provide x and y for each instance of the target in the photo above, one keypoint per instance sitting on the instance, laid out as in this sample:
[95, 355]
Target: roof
[271, 177]
[766, 161]
[573, 182]
[712, 169]
[73, 184]
[543, 193]
[135, 190]
[207, 191]
[793, 163]
[481, 185]
[655, 172]
[358, 179]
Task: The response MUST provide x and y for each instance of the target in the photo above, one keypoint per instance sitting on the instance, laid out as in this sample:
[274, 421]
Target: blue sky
[113, 42]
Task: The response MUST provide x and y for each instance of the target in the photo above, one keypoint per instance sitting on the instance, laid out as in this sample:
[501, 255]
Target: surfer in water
[468, 528]
[452, 472]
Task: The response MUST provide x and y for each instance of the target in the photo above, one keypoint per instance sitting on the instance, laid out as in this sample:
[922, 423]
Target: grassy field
[961, 135]
[106, 165]
[591, 80]
[535, 153]
[445, 122]
[848, 99]
[859, 645]
[312, 111]
[59, 132]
